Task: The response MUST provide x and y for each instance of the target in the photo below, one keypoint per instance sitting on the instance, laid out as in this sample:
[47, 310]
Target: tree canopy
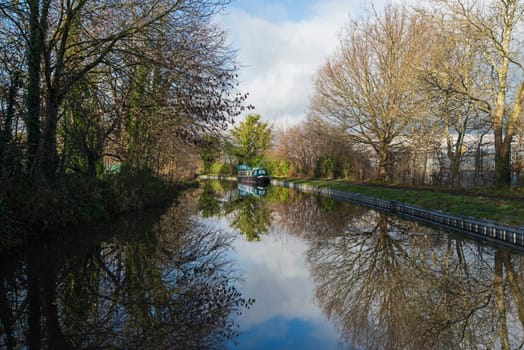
[367, 88]
[408, 80]
[251, 140]
[103, 78]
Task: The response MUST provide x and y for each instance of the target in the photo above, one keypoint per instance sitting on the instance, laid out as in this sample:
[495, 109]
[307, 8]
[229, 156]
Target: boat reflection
[248, 190]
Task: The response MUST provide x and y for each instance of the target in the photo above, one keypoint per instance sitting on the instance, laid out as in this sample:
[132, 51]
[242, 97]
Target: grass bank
[502, 206]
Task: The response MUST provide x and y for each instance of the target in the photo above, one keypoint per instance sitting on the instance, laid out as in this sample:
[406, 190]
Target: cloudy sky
[281, 44]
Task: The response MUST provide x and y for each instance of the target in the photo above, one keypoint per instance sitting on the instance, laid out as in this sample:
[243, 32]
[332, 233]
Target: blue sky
[281, 45]
[277, 11]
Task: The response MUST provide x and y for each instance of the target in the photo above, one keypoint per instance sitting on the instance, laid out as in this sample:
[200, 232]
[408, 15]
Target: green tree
[250, 216]
[208, 152]
[251, 139]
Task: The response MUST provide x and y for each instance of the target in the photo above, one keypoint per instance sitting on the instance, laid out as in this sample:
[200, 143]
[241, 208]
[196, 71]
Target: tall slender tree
[494, 26]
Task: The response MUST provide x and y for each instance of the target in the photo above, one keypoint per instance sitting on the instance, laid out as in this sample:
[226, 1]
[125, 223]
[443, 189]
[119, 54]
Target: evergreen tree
[252, 139]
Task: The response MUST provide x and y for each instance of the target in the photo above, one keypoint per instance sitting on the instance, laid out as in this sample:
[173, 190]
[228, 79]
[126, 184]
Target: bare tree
[494, 27]
[298, 146]
[366, 88]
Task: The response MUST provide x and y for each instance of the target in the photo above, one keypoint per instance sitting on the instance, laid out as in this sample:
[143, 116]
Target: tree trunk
[455, 171]
[503, 134]
[382, 170]
[502, 162]
[47, 154]
[6, 135]
[34, 56]
[479, 161]
[92, 159]
[513, 279]
[424, 166]
[383, 160]
[504, 137]
[500, 302]
[55, 336]
[34, 335]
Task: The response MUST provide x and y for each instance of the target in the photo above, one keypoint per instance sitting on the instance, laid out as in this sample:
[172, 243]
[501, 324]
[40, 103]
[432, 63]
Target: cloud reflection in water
[276, 275]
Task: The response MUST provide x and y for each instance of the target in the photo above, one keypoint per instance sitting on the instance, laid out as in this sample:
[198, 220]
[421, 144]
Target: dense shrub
[222, 169]
[278, 168]
[76, 198]
[8, 227]
[133, 189]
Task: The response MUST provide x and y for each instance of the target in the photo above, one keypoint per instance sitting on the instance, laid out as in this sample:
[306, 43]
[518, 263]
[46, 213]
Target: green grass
[502, 206]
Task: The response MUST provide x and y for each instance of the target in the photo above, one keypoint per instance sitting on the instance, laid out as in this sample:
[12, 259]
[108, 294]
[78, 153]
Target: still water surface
[237, 268]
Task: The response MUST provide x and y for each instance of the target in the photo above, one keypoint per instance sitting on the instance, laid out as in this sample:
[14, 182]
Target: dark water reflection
[147, 281]
[325, 275]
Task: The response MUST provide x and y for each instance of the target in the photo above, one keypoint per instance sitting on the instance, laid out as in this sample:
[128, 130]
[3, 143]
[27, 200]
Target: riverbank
[76, 199]
[485, 230]
[506, 207]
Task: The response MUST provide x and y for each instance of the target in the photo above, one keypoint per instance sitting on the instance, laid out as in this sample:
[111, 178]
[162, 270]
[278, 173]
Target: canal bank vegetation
[328, 160]
[78, 199]
[312, 154]
[428, 93]
[103, 103]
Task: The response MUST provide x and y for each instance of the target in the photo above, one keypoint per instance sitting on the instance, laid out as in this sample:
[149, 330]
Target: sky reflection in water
[276, 275]
[284, 315]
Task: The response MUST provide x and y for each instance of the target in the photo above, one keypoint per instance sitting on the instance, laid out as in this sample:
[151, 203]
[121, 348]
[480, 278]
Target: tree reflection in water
[250, 215]
[387, 283]
[387, 288]
[160, 283]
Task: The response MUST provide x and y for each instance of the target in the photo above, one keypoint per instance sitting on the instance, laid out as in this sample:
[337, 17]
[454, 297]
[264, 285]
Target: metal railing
[492, 231]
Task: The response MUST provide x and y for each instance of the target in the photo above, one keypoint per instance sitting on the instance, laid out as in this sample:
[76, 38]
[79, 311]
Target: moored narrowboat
[256, 176]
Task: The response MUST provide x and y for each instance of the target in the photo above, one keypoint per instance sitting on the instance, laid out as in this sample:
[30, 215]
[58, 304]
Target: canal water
[245, 268]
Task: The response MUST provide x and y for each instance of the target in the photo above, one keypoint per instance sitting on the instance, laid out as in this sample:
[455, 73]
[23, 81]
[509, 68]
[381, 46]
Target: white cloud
[279, 59]
[276, 274]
